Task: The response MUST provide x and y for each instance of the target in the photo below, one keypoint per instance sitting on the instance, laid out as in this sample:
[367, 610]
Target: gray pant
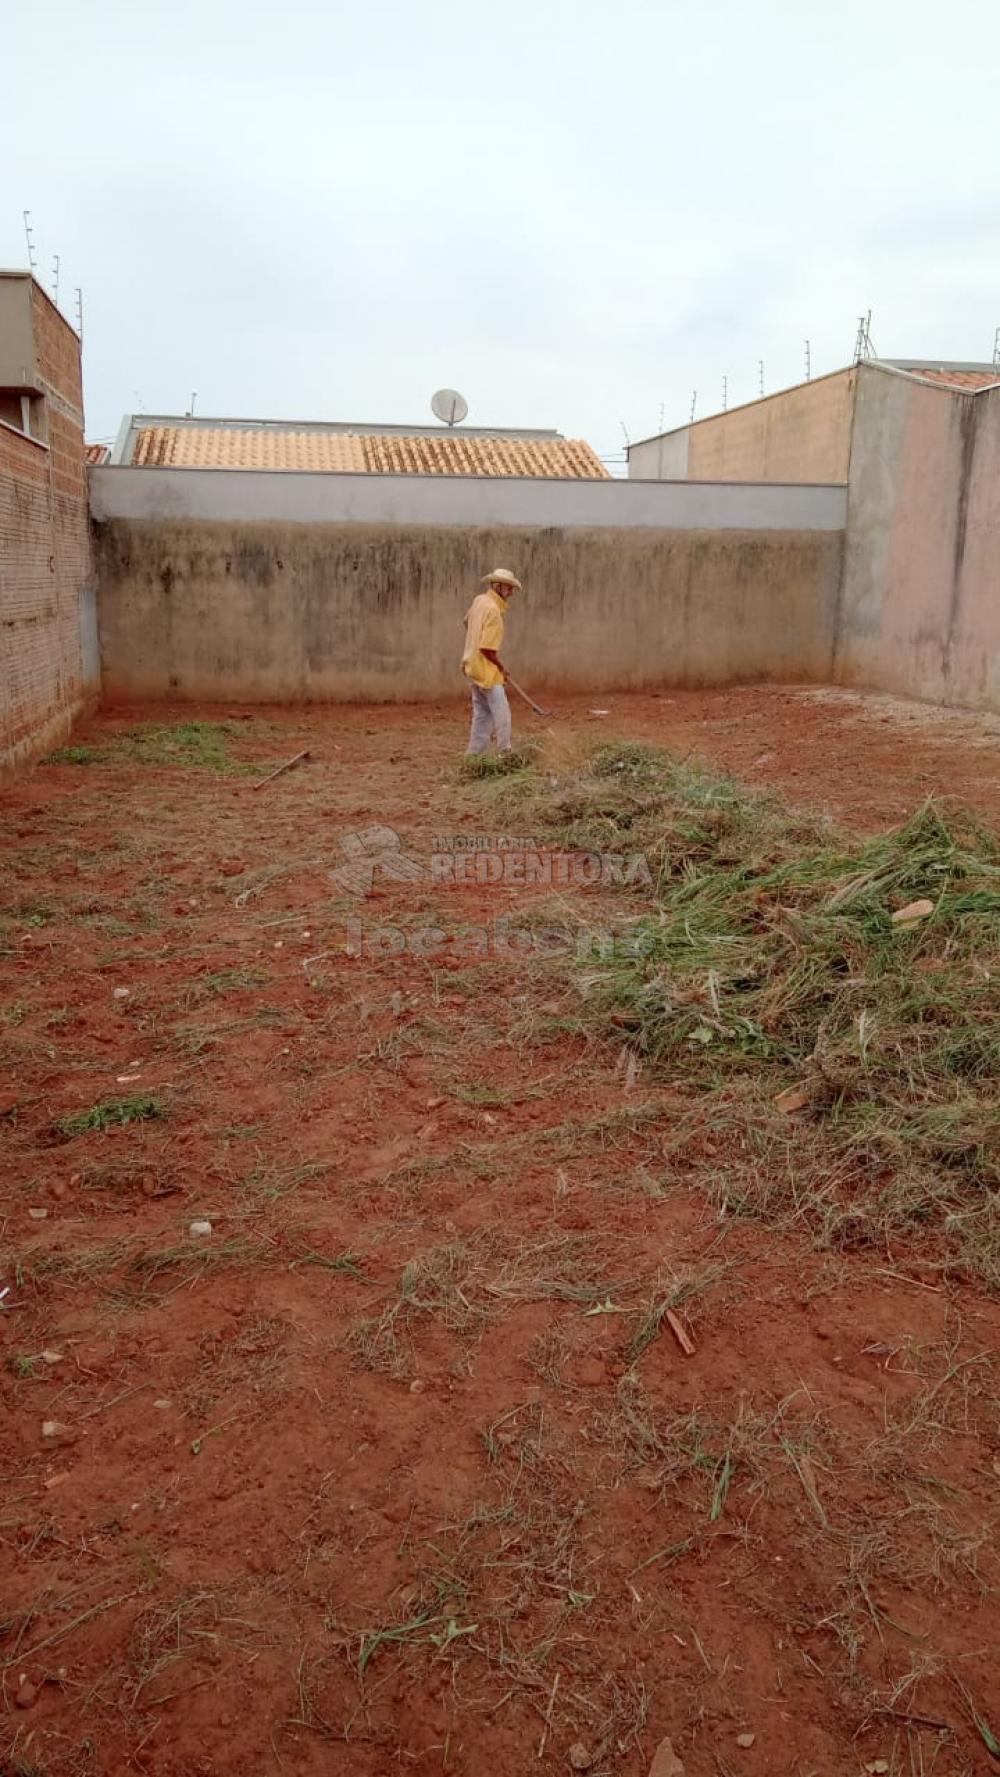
[490, 715]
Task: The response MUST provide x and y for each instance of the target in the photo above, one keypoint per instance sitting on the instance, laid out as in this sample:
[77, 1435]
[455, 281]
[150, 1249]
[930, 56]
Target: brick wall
[46, 579]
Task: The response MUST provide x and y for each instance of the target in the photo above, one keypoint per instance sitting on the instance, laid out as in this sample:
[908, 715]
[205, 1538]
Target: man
[481, 663]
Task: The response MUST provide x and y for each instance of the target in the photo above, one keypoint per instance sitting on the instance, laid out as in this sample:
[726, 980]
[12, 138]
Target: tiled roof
[957, 379]
[96, 453]
[239, 447]
[449, 453]
[385, 453]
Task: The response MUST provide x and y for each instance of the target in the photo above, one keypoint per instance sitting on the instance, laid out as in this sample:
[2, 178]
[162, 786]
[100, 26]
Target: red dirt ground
[279, 1442]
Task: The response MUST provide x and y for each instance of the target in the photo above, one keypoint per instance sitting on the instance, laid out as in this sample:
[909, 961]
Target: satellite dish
[449, 406]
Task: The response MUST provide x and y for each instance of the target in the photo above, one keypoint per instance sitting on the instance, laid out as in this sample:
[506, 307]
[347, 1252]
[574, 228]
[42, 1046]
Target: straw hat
[504, 577]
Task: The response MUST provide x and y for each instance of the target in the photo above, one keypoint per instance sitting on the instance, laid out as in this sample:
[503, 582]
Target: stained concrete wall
[798, 435]
[920, 606]
[275, 610]
[243, 495]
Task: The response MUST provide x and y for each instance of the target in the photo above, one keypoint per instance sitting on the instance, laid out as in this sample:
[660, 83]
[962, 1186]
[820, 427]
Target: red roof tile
[958, 379]
[375, 453]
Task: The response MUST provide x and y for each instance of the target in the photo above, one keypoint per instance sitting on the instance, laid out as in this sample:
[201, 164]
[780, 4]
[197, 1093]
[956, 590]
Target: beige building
[802, 434]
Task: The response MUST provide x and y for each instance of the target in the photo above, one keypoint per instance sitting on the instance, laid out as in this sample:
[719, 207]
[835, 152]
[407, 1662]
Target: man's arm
[493, 657]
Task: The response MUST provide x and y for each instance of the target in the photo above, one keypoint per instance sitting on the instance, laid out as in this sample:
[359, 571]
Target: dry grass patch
[462, 1282]
[770, 963]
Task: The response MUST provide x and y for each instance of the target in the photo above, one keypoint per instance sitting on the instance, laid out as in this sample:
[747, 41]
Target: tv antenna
[32, 261]
[694, 403]
[449, 407]
[79, 310]
[760, 372]
[55, 279]
[725, 394]
[808, 363]
[863, 347]
[996, 349]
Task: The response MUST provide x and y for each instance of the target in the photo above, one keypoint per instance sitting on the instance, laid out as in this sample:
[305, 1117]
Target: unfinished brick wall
[46, 582]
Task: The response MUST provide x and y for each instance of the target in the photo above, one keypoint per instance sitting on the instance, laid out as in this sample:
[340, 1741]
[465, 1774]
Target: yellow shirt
[483, 629]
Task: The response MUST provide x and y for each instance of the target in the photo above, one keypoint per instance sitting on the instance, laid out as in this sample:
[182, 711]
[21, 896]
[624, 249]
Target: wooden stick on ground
[680, 1333]
[259, 785]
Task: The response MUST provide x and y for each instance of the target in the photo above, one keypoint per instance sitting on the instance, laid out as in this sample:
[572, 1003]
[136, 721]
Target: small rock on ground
[665, 1761]
[912, 912]
[55, 1432]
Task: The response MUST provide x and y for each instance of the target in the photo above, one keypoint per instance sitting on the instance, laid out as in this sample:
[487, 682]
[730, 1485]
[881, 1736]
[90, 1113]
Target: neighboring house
[147, 441]
[96, 454]
[801, 434]
[49, 665]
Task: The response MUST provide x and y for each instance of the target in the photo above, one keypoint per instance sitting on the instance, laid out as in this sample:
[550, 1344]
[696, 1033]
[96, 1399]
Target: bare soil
[402, 1467]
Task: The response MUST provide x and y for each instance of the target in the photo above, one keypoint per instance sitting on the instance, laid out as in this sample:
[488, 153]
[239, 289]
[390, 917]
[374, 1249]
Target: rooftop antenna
[628, 441]
[808, 363]
[32, 261]
[725, 393]
[694, 400]
[863, 347]
[55, 279]
[760, 373]
[996, 349]
[190, 412]
[449, 407]
[663, 405]
[79, 310]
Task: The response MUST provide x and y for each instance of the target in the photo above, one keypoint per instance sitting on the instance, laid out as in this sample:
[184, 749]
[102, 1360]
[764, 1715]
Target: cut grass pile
[503, 765]
[846, 1062]
[113, 1113]
[203, 745]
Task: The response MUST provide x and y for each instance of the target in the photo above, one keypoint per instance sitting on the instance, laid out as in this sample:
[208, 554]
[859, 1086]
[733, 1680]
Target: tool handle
[528, 700]
[259, 785]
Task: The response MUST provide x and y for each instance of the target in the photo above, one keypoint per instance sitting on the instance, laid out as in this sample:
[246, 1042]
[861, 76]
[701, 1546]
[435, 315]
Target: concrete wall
[46, 575]
[666, 458]
[287, 496]
[920, 607]
[18, 356]
[798, 435]
[270, 609]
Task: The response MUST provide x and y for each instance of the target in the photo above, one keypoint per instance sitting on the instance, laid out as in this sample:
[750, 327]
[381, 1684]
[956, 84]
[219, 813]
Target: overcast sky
[575, 211]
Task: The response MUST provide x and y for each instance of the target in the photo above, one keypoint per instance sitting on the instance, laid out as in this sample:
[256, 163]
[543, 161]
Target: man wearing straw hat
[481, 663]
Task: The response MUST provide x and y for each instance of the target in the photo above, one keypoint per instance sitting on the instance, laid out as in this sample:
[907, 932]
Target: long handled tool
[528, 700]
[259, 785]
